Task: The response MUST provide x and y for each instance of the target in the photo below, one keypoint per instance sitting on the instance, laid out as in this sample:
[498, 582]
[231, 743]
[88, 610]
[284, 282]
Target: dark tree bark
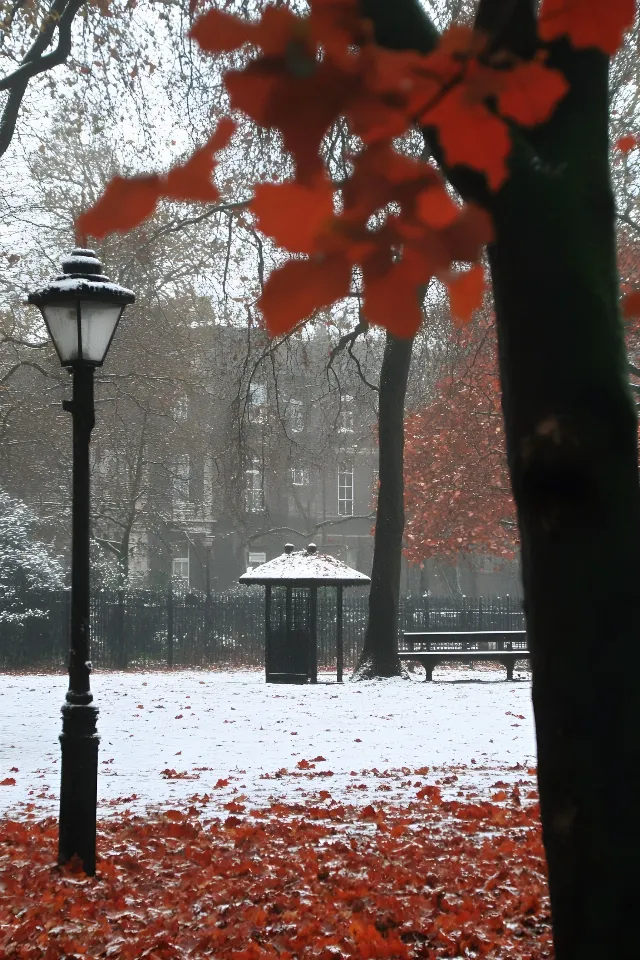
[571, 436]
[379, 657]
[572, 447]
[39, 58]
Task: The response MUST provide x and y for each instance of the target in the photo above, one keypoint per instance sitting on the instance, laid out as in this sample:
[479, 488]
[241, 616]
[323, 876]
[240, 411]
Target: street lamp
[81, 309]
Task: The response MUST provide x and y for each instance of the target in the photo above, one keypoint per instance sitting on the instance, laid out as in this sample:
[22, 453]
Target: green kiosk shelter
[291, 584]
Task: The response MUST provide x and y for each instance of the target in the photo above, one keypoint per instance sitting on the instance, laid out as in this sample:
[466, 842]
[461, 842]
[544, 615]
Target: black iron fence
[154, 630]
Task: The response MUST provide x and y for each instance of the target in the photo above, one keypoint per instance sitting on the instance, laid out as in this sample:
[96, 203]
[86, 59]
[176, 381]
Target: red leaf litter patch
[290, 882]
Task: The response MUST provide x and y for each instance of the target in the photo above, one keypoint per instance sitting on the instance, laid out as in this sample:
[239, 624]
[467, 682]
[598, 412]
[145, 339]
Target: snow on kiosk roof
[305, 568]
[291, 610]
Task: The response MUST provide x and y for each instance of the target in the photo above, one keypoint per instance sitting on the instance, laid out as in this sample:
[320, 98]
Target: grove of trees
[517, 115]
[516, 119]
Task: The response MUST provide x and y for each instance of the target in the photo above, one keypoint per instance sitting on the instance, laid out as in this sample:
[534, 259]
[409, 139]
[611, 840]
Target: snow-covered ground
[166, 737]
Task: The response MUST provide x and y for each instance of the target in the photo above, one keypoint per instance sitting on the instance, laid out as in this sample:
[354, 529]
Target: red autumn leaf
[627, 143]
[294, 291]
[436, 208]
[588, 23]
[432, 793]
[8, 782]
[292, 214]
[466, 292]
[125, 203]
[302, 107]
[233, 822]
[393, 297]
[471, 135]
[631, 304]
[318, 760]
[530, 93]
[218, 32]
[191, 181]
[467, 235]
[277, 29]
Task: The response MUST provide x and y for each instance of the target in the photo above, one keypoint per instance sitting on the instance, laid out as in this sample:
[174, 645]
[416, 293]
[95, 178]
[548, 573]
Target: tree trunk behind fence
[379, 656]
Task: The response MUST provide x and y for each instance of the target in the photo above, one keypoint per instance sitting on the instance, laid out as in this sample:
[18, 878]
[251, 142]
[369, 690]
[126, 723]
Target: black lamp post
[81, 309]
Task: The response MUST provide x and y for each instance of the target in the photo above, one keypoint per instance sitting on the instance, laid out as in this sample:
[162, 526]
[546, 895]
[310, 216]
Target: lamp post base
[78, 785]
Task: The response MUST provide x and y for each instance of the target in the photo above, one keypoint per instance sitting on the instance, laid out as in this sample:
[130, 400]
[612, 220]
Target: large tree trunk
[572, 446]
[379, 657]
[571, 436]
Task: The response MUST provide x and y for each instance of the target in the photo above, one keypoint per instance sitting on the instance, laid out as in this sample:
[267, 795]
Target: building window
[255, 559]
[254, 487]
[295, 416]
[257, 402]
[181, 408]
[299, 476]
[180, 569]
[180, 479]
[345, 419]
[345, 490]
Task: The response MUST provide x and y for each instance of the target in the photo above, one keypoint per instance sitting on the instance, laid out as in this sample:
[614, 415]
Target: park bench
[434, 647]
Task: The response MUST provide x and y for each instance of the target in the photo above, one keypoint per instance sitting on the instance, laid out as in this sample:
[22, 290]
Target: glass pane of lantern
[63, 327]
[99, 320]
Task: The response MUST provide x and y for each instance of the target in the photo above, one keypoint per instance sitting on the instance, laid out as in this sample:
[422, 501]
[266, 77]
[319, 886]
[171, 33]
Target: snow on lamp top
[305, 568]
[81, 308]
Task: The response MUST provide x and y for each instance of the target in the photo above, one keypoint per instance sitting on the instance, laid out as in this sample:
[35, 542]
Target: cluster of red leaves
[457, 492]
[128, 201]
[588, 23]
[393, 217]
[457, 489]
[433, 879]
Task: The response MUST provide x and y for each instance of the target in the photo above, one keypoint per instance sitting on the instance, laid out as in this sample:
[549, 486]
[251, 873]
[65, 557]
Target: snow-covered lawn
[168, 738]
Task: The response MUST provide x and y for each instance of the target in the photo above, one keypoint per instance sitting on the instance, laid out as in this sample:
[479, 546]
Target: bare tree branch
[35, 61]
[309, 533]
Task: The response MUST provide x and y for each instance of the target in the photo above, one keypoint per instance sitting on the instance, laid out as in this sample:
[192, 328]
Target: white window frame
[299, 476]
[254, 487]
[257, 402]
[345, 490]
[345, 420]
[181, 479]
[295, 416]
[180, 565]
[181, 407]
[257, 394]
